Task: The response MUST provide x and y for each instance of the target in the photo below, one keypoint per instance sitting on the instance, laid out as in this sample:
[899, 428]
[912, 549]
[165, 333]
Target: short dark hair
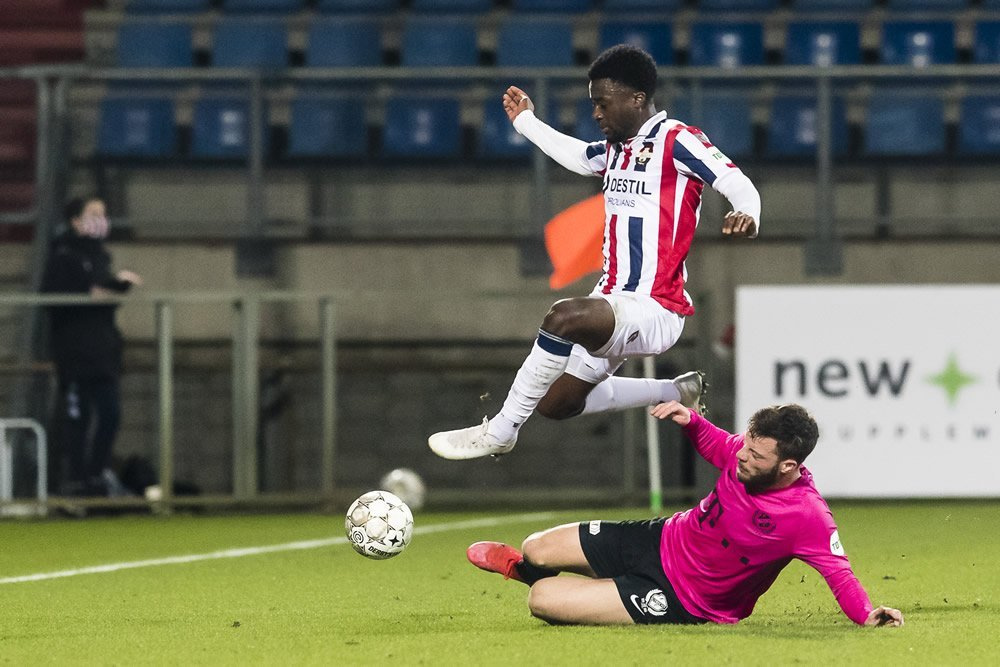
[74, 207]
[626, 64]
[790, 425]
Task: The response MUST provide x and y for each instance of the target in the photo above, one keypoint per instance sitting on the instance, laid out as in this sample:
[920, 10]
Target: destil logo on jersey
[795, 379]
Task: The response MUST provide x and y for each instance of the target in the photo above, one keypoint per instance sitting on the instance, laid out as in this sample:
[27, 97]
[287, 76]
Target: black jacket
[85, 341]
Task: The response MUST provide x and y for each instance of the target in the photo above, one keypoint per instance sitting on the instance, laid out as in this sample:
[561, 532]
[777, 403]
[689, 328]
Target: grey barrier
[245, 307]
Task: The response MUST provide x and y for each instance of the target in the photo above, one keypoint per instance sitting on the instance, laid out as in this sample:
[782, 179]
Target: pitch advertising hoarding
[904, 382]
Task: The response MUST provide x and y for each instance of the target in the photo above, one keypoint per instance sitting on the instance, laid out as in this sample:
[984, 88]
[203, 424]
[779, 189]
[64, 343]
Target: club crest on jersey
[764, 522]
[645, 154]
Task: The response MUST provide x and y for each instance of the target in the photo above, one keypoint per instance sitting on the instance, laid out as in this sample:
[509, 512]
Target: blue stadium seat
[905, 5]
[154, 44]
[654, 37]
[534, 43]
[793, 127]
[451, 5]
[263, 6]
[904, 123]
[991, 4]
[823, 43]
[979, 129]
[324, 126]
[437, 42]
[737, 5]
[726, 45]
[239, 42]
[221, 128]
[611, 6]
[168, 6]
[832, 5]
[137, 127]
[552, 5]
[727, 120]
[497, 136]
[986, 45]
[344, 42]
[357, 6]
[918, 43]
[422, 127]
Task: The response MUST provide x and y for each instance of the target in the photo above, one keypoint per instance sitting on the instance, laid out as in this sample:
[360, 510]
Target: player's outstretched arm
[739, 224]
[885, 616]
[515, 101]
[672, 410]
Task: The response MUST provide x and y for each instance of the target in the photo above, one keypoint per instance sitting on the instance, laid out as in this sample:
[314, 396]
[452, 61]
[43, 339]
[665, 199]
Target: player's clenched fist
[515, 101]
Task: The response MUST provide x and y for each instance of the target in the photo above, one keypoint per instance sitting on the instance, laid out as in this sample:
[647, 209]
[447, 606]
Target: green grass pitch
[323, 605]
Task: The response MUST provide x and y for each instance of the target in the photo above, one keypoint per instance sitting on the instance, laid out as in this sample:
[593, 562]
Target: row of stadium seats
[343, 42]
[178, 6]
[328, 126]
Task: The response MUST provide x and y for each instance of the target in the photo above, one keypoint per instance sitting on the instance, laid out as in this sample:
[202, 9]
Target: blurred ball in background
[406, 484]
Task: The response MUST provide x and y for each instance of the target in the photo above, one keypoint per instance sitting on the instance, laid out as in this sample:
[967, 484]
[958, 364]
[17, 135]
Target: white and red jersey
[652, 199]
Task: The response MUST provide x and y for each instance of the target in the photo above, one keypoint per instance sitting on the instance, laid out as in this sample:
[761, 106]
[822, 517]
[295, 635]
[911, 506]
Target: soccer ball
[406, 484]
[379, 525]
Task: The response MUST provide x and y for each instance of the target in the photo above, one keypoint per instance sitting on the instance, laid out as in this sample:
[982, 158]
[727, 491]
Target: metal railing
[245, 308]
[7, 466]
[54, 81]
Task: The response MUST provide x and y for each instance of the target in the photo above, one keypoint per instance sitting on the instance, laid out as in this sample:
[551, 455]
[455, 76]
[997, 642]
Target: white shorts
[643, 328]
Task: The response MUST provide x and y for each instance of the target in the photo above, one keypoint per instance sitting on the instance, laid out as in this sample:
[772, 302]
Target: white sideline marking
[256, 551]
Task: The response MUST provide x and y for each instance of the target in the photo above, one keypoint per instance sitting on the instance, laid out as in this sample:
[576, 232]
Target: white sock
[617, 393]
[547, 360]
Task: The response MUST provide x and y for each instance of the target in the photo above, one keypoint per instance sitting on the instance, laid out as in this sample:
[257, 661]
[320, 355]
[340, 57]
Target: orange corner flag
[574, 239]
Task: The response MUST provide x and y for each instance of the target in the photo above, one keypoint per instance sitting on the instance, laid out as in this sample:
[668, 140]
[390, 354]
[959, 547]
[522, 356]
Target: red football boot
[496, 557]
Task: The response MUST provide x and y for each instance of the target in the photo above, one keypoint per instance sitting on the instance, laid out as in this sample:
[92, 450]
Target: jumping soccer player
[708, 564]
[654, 170]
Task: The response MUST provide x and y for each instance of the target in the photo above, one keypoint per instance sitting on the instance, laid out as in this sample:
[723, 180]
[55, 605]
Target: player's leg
[622, 393]
[543, 554]
[587, 321]
[576, 600]
[557, 549]
[643, 328]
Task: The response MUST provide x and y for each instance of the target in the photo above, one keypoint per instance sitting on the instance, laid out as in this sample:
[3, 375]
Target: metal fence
[54, 82]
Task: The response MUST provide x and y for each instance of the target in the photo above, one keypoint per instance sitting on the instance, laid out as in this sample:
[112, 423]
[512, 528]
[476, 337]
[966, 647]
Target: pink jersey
[653, 184]
[722, 555]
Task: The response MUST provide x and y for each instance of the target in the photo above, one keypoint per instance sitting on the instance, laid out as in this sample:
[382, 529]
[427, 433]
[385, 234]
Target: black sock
[532, 573]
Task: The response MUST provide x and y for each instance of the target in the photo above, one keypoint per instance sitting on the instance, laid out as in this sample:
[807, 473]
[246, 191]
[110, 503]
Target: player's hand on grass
[515, 101]
[739, 224]
[885, 616]
[672, 410]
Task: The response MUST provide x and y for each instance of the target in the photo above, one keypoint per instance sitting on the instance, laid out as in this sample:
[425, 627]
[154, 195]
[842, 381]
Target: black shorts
[629, 553]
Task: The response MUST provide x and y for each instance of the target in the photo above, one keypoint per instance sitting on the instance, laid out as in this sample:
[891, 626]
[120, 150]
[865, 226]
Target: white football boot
[469, 443]
[692, 388]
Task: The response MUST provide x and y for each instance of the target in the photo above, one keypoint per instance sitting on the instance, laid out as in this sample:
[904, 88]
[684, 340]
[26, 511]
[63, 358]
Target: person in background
[86, 347]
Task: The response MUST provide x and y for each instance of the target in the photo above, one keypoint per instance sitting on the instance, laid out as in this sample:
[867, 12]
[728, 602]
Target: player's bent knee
[564, 319]
[560, 410]
[542, 601]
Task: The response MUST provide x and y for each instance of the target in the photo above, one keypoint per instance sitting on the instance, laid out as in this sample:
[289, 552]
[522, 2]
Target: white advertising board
[904, 382]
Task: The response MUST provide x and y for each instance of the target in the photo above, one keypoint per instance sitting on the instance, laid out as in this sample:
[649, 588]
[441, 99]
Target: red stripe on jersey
[612, 273]
[676, 234]
[628, 156]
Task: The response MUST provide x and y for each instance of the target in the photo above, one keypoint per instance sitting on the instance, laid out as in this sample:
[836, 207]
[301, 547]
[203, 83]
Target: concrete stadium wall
[475, 290]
